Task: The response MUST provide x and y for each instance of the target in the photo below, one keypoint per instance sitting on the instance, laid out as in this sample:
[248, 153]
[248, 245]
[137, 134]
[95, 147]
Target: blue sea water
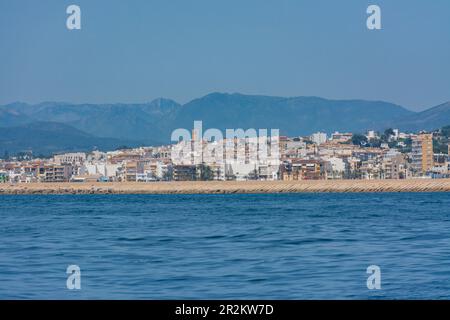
[264, 246]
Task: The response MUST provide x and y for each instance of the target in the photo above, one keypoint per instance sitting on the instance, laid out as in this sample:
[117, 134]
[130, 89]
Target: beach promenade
[224, 187]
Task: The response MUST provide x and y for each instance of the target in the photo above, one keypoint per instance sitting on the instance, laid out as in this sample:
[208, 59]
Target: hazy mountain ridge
[293, 116]
[122, 121]
[429, 119]
[153, 122]
[52, 137]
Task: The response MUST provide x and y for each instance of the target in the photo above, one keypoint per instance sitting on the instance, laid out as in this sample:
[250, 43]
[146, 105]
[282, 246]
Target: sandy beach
[224, 187]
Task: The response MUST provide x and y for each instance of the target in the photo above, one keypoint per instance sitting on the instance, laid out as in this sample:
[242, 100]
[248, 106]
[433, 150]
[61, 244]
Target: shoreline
[229, 187]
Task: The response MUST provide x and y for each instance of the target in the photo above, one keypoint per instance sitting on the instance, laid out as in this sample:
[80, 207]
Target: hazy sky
[135, 51]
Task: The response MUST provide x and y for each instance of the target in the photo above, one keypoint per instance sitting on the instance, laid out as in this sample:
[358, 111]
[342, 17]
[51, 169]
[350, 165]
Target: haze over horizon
[220, 93]
[136, 52]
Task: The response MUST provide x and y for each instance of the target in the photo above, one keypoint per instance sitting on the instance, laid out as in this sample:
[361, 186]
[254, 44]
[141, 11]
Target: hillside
[293, 116]
[429, 119]
[47, 138]
[107, 125]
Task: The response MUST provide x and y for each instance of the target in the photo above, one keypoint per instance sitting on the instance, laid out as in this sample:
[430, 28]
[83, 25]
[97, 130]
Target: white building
[319, 138]
[371, 134]
[100, 168]
[396, 134]
[72, 158]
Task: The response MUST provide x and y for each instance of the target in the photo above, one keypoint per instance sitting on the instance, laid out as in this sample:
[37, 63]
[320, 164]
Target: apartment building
[339, 137]
[185, 172]
[422, 155]
[394, 167]
[319, 138]
[70, 158]
[56, 173]
[303, 169]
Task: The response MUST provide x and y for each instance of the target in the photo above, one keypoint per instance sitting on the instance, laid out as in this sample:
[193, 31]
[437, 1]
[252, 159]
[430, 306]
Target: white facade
[319, 138]
[72, 158]
[371, 134]
[337, 164]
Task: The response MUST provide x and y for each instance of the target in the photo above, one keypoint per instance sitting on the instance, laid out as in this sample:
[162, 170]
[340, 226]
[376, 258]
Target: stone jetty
[225, 187]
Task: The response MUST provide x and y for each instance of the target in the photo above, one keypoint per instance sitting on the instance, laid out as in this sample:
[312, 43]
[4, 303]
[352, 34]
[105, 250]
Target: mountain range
[51, 127]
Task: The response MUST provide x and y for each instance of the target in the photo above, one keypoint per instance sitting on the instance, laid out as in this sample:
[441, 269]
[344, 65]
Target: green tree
[440, 146]
[206, 174]
[359, 139]
[389, 132]
[386, 136]
[445, 131]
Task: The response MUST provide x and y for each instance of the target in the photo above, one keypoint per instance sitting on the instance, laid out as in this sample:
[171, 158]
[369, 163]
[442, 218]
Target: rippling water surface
[268, 246]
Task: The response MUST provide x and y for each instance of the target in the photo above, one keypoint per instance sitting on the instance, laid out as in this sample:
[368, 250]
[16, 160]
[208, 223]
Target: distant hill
[429, 119]
[293, 116]
[12, 115]
[47, 138]
[153, 122]
[124, 121]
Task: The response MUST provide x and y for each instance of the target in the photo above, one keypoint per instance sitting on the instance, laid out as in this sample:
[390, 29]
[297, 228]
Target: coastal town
[390, 154]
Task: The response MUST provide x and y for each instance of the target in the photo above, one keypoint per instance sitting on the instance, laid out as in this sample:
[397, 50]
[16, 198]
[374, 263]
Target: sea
[238, 246]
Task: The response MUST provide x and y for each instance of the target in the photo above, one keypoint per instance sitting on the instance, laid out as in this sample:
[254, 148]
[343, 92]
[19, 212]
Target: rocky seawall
[224, 187]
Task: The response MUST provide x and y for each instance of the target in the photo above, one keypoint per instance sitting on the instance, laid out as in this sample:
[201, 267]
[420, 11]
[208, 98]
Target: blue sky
[138, 50]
